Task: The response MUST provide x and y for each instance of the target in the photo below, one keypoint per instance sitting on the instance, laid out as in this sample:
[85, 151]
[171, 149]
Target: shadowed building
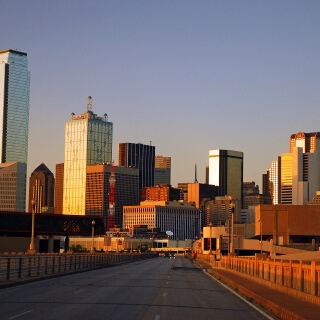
[41, 189]
[12, 186]
[160, 193]
[141, 156]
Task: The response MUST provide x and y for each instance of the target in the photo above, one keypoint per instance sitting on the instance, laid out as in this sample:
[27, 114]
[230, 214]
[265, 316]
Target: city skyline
[188, 77]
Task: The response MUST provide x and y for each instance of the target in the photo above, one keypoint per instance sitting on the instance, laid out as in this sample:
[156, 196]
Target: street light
[260, 234]
[92, 230]
[33, 206]
[232, 227]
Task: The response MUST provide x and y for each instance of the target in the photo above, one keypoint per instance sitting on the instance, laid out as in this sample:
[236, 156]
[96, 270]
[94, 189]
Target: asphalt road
[155, 289]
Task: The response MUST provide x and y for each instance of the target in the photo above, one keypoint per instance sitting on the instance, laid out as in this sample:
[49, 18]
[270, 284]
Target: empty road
[155, 289]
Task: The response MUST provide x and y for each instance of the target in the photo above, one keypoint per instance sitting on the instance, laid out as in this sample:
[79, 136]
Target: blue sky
[189, 76]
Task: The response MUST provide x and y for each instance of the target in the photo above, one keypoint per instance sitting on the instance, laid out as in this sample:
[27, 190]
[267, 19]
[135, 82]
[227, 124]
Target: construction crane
[112, 204]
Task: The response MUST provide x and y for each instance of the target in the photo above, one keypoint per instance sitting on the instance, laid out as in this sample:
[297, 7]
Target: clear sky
[190, 76]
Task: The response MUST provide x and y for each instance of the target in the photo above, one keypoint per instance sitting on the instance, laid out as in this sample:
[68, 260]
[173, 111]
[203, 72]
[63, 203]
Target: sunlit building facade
[181, 218]
[88, 140]
[162, 170]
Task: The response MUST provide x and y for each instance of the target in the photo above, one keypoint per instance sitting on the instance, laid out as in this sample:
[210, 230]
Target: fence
[299, 278]
[20, 267]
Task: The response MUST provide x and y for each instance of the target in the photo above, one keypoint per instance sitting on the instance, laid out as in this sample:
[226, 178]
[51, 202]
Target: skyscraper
[14, 112]
[88, 140]
[226, 172]
[139, 156]
[41, 190]
[162, 171]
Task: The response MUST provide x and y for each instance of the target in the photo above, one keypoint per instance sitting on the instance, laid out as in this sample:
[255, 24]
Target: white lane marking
[21, 314]
[164, 294]
[157, 317]
[239, 296]
[78, 291]
[167, 282]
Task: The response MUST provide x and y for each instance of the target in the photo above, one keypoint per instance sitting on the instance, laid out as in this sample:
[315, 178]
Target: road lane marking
[239, 296]
[21, 314]
[157, 317]
[164, 294]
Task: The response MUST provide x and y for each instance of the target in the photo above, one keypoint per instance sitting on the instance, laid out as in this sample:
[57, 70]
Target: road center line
[21, 314]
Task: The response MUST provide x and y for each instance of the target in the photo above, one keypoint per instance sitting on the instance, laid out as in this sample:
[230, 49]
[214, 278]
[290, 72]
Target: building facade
[198, 192]
[41, 190]
[13, 186]
[182, 219]
[58, 189]
[98, 191]
[160, 193]
[162, 170]
[14, 112]
[226, 172]
[138, 155]
[88, 140]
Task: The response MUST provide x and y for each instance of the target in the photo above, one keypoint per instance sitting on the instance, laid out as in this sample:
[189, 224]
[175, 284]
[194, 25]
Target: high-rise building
[226, 172]
[275, 181]
[88, 140]
[58, 189]
[14, 112]
[41, 190]
[299, 172]
[162, 192]
[310, 144]
[138, 155]
[13, 186]
[162, 170]
[197, 192]
[98, 190]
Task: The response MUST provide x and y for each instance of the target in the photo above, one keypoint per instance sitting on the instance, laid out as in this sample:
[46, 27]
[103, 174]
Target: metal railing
[20, 267]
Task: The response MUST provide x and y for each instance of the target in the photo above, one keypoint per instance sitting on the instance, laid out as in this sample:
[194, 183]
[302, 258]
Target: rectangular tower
[226, 172]
[14, 112]
[162, 171]
[88, 140]
[138, 155]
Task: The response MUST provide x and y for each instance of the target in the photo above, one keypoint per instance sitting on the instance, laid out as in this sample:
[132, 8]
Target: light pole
[210, 225]
[232, 228]
[33, 207]
[260, 235]
[92, 231]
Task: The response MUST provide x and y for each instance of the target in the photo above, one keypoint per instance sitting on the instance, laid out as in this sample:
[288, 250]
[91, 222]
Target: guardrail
[20, 267]
[297, 277]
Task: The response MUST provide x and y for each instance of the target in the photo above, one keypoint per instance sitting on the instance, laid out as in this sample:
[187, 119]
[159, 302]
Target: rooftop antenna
[195, 174]
[89, 104]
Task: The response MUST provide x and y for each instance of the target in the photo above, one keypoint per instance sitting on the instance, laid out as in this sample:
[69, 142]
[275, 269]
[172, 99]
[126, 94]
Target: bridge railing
[20, 266]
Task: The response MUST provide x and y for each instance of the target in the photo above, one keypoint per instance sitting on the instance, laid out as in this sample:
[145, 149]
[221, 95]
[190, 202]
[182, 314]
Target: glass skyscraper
[14, 106]
[88, 140]
[14, 122]
[226, 172]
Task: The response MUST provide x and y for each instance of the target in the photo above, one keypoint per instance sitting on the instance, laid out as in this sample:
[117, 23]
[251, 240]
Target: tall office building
[41, 190]
[138, 155]
[13, 186]
[310, 144]
[275, 181]
[299, 173]
[88, 140]
[162, 170]
[98, 190]
[14, 112]
[226, 172]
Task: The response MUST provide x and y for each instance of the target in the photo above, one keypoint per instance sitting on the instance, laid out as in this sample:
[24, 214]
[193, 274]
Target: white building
[181, 218]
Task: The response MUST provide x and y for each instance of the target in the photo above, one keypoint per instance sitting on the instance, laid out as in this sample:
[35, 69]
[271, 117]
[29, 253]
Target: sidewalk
[281, 305]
